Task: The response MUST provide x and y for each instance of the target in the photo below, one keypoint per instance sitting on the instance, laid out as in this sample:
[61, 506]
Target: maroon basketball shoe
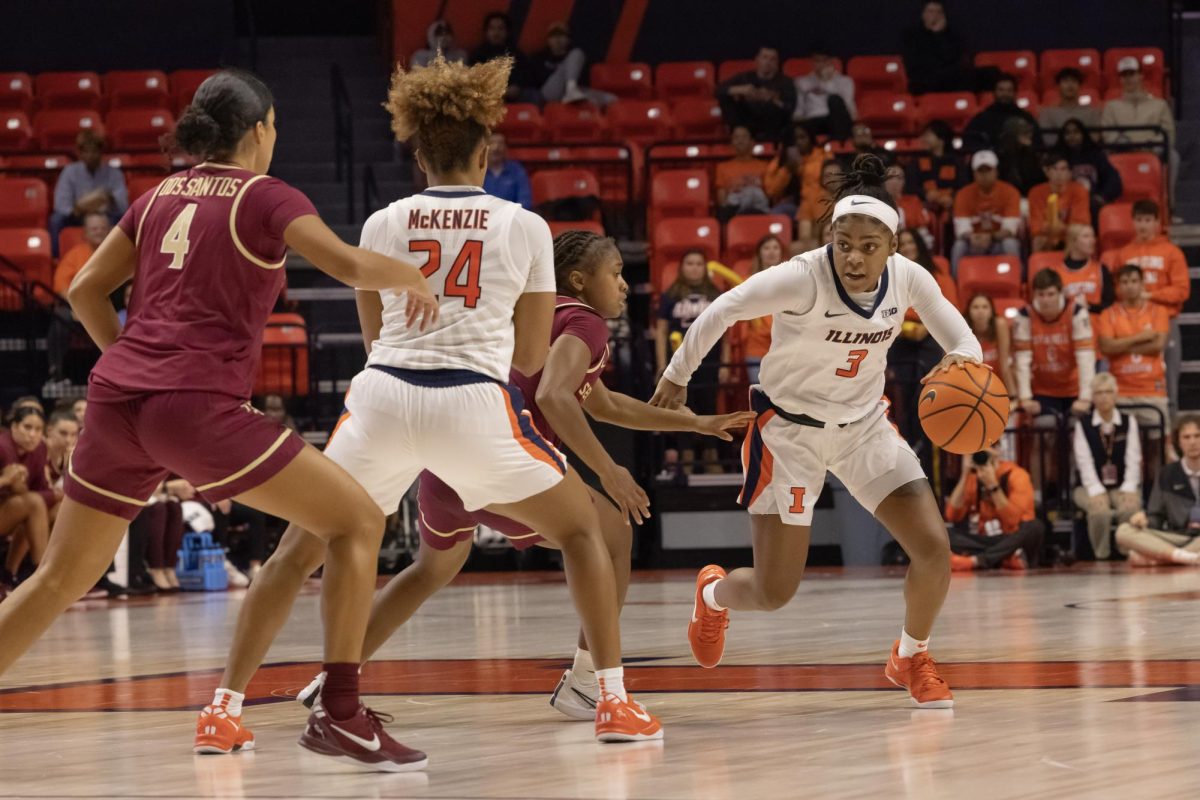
[360, 741]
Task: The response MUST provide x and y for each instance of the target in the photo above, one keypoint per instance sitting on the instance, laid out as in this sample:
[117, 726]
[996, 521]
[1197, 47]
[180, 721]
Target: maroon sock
[339, 695]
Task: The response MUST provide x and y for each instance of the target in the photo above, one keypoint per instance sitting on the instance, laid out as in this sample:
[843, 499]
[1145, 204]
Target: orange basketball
[964, 409]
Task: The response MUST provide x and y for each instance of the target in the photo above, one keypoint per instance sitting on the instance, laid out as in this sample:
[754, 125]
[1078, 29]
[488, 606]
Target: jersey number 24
[467, 261]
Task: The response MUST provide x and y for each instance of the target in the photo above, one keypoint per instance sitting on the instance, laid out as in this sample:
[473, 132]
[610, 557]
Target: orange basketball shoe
[620, 720]
[920, 676]
[706, 631]
[219, 732]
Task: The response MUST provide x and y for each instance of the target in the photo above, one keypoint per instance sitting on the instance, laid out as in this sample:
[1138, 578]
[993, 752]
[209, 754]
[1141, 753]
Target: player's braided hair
[576, 251]
[448, 107]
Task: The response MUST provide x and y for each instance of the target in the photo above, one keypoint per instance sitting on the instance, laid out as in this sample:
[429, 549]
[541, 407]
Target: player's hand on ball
[669, 395]
[422, 306]
[951, 360]
[619, 485]
[720, 425]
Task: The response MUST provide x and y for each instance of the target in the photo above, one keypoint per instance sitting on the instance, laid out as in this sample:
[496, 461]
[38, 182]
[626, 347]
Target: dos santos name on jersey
[206, 186]
[442, 219]
[858, 337]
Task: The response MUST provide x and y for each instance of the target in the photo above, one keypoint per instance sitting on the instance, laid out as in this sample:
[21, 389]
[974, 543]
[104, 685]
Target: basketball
[964, 409]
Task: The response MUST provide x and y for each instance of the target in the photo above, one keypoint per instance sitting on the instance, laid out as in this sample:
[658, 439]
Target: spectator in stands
[96, 226]
[987, 213]
[87, 185]
[1132, 335]
[1165, 270]
[559, 71]
[58, 336]
[1168, 531]
[1090, 166]
[440, 36]
[158, 530]
[825, 98]
[1108, 460]
[1138, 108]
[995, 520]
[505, 177]
[934, 56]
[1069, 81]
[26, 496]
[913, 214]
[1084, 278]
[251, 526]
[756, 333]
[497, 42]
[692, 291]
[1057, 204]
[814, 208]
[762, 99]
[863, 140]
[1020, 164]
[79, 409]
[62, 431]
[994, 337]
[912, 246]
[275, 408]
[1055, 359]
[739, 180]
[985, 127]
[937, 175]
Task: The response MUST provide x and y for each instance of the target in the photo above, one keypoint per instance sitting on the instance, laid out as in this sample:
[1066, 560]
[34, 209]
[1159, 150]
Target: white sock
[709, 593]
[231, 700]
[1181, 556]
[909, 646]
[583, 669]
[612, 681]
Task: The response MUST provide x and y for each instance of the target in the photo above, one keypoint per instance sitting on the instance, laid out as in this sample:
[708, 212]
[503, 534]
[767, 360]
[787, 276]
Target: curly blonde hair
[448, 107]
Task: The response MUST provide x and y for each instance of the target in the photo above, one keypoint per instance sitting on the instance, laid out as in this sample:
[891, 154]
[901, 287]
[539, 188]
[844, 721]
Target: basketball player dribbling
[590, 289]
[438, 399]
[836, 311]
[206, 251]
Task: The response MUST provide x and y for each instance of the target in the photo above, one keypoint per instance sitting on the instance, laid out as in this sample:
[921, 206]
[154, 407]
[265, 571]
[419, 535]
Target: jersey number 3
[175, 243]
[853, 360]
[468, 260]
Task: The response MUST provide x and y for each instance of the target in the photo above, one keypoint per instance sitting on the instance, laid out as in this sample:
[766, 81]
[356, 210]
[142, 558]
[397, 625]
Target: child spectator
[987, 213]
[1069, 81]
[984, 128]
[1108, 460]
[761, 100]
[505, 177]
[995, 521]
[740, 179]
[87, 185]
[1052, 338]
[1084, 278]
[26, 496]
[439, 36]
[497, 42]
[558, 70]
[825, 98]
[814, 208]
[1138, 108]
[1168, 531]
[937, 175]
[756, 333]
[1090, 166]
[994, 337]
[1056, 204]
[1020, 164]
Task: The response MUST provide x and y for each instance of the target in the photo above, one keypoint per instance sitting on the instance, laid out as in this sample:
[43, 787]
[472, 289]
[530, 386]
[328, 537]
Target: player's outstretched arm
[109, 268]
[629, 412]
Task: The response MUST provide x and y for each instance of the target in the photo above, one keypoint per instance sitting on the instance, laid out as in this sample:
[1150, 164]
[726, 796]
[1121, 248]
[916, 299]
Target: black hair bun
[868, 169]
[197, 132]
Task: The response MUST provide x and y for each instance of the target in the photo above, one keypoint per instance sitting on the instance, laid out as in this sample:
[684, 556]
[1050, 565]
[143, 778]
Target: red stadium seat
[56, 130]
[732, 67]
[16, 91]
[522, 124]
[995, 276]
[139, 129]
[574, 122]
[591, 226]
[1008, 307]
[698, 118]
[641, 121]
[67, 90]
[1116, 226]
[1027, 100]
[184, 83]
[16, 134]
[743, 233]
[284, 366]
[1021, 64]
[1086, 60]
[1152, 62]
[24, 258]
[878, 74]
[138, 185]
[1087, 97]
[1040, 261]
[614, 179]
[799, 67]
[955, 108]
[24, 203]
[888, 113]
[556, 184]
[678, 193]
[68, 237]
[671, 237]
[627, 81]
[1141, 176]
[142, 88]
[678, 79]
[38, 162]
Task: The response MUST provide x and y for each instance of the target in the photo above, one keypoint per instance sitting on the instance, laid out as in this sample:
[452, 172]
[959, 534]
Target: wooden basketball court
[1069, 684]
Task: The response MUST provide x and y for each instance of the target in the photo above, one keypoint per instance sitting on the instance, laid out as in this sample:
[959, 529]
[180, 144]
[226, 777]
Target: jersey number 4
[467, 260]
[853, 360]
[175, 242]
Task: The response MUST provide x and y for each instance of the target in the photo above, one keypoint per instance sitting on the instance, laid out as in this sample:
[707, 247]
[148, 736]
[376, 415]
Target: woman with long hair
[1089, 165]
[995, 338]
[756, 333]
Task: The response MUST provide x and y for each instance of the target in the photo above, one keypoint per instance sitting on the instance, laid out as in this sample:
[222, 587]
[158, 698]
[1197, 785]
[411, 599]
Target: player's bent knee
[773, 598]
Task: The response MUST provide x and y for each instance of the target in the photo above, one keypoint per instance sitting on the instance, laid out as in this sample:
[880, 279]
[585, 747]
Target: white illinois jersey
[828, 353]
[479, 254]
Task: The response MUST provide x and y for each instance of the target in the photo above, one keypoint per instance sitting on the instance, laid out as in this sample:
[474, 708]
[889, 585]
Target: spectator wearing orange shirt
[995, 519]
[1084, 278]
[1132, 334]
[1166, 280]
[96, 226]
[756, 333]
[815, 206]
[1052, 337]
[740, 179]
[1057, 204]
[987, 213]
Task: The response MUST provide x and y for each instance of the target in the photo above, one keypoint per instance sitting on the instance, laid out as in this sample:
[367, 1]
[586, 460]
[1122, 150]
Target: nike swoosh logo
[860, 203]
[372, 745]
[589, 701]
[831, 316]
[932, 393]
[644, 717]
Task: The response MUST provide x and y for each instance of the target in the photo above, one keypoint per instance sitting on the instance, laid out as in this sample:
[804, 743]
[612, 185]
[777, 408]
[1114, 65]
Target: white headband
[862, 204]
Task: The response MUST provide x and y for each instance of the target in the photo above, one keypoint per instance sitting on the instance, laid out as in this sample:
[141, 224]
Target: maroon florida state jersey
[210, 255]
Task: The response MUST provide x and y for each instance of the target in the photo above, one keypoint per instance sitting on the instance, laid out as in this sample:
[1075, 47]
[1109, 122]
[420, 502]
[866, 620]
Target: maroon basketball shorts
[129, 444]
[444, 521]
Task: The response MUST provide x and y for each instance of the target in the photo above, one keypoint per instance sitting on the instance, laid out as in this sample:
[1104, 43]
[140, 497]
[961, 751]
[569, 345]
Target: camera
[981, 458]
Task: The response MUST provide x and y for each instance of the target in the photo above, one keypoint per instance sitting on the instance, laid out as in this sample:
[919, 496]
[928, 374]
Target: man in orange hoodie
[1166, 279]
[993, 508]
[95, 227]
